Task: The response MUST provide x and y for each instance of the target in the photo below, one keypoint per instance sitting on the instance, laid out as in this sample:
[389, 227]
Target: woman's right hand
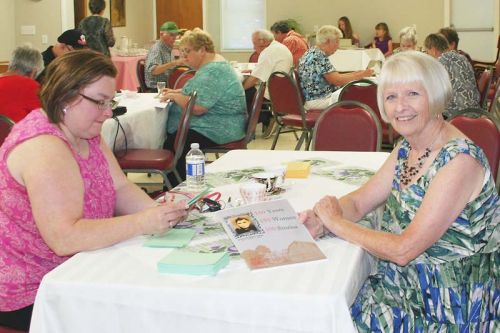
[161, 218]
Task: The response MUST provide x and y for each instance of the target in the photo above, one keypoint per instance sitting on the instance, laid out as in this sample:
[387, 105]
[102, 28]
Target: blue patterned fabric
[454, 286]
[312, 66]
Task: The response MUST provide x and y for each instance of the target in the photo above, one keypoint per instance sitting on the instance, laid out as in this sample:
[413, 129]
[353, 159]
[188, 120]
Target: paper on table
[193, 263]
[163, 105]
[173, 238]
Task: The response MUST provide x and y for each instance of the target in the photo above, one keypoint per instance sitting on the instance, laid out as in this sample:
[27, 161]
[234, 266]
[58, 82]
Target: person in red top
[18, 88]
[294, 41]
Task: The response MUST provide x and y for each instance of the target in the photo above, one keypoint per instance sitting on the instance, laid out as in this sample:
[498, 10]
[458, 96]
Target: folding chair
[484, 130]
[159, 161]
[347, 126]
[253, 118]
[183, 78]
[288, 105]
[5, 126]
[174, 75]
[365, 91]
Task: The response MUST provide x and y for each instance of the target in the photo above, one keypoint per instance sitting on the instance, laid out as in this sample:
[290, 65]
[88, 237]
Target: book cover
[269, 234]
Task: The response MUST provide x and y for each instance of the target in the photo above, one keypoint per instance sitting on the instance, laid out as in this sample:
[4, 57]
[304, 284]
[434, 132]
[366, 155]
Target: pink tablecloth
[127, 77]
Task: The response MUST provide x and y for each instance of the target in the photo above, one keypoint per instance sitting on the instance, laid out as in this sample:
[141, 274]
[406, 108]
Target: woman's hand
[157, 220]
[328, 209]
[312, 223]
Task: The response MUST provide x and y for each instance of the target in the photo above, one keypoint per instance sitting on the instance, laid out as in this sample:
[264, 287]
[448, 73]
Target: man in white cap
[159, 61]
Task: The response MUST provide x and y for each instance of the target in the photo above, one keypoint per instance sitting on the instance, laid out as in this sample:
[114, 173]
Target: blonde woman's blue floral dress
[454, 286]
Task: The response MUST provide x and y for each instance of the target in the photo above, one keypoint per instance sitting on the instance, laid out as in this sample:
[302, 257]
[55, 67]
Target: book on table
[269, 234]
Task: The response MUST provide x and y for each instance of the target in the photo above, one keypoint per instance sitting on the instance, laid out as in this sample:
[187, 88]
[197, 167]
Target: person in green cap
[159, 61]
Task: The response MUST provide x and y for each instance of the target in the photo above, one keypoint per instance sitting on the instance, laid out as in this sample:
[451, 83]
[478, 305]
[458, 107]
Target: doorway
[188, 14]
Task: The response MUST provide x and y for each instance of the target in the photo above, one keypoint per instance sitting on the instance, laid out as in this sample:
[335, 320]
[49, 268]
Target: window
[239, 19]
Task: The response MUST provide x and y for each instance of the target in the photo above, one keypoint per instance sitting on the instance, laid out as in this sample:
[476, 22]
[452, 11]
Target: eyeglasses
[185, 51]
[102, 105]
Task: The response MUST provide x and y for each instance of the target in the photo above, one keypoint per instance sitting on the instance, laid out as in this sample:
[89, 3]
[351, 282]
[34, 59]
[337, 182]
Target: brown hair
[348, 28]
[438, 41]
[67, 75]
[385, 27]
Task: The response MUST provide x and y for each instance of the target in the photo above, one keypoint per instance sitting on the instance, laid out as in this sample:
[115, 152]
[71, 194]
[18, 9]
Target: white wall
[48, 19]
[7, 37]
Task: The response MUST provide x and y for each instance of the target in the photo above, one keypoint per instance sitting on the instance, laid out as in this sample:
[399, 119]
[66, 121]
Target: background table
[118, 289]
[144, 123]
[126, 78]
[349, 60]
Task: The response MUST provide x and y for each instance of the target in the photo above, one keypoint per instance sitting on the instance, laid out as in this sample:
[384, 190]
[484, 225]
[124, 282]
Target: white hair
[326, 33]
[408, 34]
[264, 34]
[416, 67]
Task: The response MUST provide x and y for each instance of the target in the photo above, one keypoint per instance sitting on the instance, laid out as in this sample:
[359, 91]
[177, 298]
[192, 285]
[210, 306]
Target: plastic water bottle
[195, 168]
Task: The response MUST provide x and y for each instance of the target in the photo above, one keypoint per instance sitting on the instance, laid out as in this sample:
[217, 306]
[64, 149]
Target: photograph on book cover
[269, 234]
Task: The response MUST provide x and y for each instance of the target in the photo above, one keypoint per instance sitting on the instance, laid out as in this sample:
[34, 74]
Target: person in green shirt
[219, 115]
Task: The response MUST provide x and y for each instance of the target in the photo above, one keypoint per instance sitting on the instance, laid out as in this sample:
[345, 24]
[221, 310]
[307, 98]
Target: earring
[65, 110]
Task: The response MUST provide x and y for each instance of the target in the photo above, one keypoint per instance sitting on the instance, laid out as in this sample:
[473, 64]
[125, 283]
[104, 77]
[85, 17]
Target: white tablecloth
[349, 60]
[118, 289]
[144, 123]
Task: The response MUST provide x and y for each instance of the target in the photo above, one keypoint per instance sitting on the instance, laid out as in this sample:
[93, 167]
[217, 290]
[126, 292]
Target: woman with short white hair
[407, 39]
[318, 78]
[438, 241]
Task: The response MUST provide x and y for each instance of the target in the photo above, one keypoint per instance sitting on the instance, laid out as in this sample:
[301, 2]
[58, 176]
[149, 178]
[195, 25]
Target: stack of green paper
[173, 238]
[193, 263]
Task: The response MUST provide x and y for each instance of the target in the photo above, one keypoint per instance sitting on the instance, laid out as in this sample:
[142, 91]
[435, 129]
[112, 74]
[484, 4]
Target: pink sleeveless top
[24, 256]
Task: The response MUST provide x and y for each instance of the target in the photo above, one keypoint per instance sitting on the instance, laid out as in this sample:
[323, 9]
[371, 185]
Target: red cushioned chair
[484, 130]
[365, 91]
[253, 118]
[183, 78]
[494, 107]
[254, 57]
[174, 75]
[4, 329]
[347, 126]
[483, 85]
[288, 105]
[5, 126]
[159, 161]
[141, 77]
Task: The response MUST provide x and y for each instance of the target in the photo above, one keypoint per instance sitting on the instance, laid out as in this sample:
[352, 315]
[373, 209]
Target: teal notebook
[193, 263]
[173, 238]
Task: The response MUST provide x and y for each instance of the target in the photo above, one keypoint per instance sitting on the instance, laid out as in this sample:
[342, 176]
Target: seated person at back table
[219, 115]
[438, 241]
[382, 39]
[463, 82]
[318, 77]
[273, 57]
[345, 26]
[407, 39]
[70, 40]
[451, 36]
[18, 88]
[61, 188]
[294, 41]
[159, 61]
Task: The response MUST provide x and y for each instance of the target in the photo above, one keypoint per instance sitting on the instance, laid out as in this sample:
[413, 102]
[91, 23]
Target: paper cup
[269, 179]
[253, 192]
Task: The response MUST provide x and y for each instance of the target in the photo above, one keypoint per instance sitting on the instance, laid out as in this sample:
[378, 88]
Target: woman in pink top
[61, 189]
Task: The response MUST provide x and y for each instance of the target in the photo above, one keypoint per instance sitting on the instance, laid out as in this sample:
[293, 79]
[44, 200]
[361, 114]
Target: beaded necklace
[408, 172]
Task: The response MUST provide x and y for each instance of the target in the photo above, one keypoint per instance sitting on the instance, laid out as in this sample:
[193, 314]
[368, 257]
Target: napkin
[193, 263]
[173, 238]
[297, 169]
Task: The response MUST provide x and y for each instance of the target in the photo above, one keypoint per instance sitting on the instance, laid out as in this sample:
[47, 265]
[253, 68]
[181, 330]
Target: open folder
[376, 65]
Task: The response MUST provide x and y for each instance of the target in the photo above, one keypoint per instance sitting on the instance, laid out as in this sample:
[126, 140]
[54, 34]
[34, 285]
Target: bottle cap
[195, 145]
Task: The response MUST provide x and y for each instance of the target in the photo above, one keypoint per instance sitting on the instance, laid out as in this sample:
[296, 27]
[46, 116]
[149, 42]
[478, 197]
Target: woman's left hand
[328, 209]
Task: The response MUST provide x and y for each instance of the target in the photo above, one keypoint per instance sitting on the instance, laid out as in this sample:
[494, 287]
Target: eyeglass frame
[101, 105]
